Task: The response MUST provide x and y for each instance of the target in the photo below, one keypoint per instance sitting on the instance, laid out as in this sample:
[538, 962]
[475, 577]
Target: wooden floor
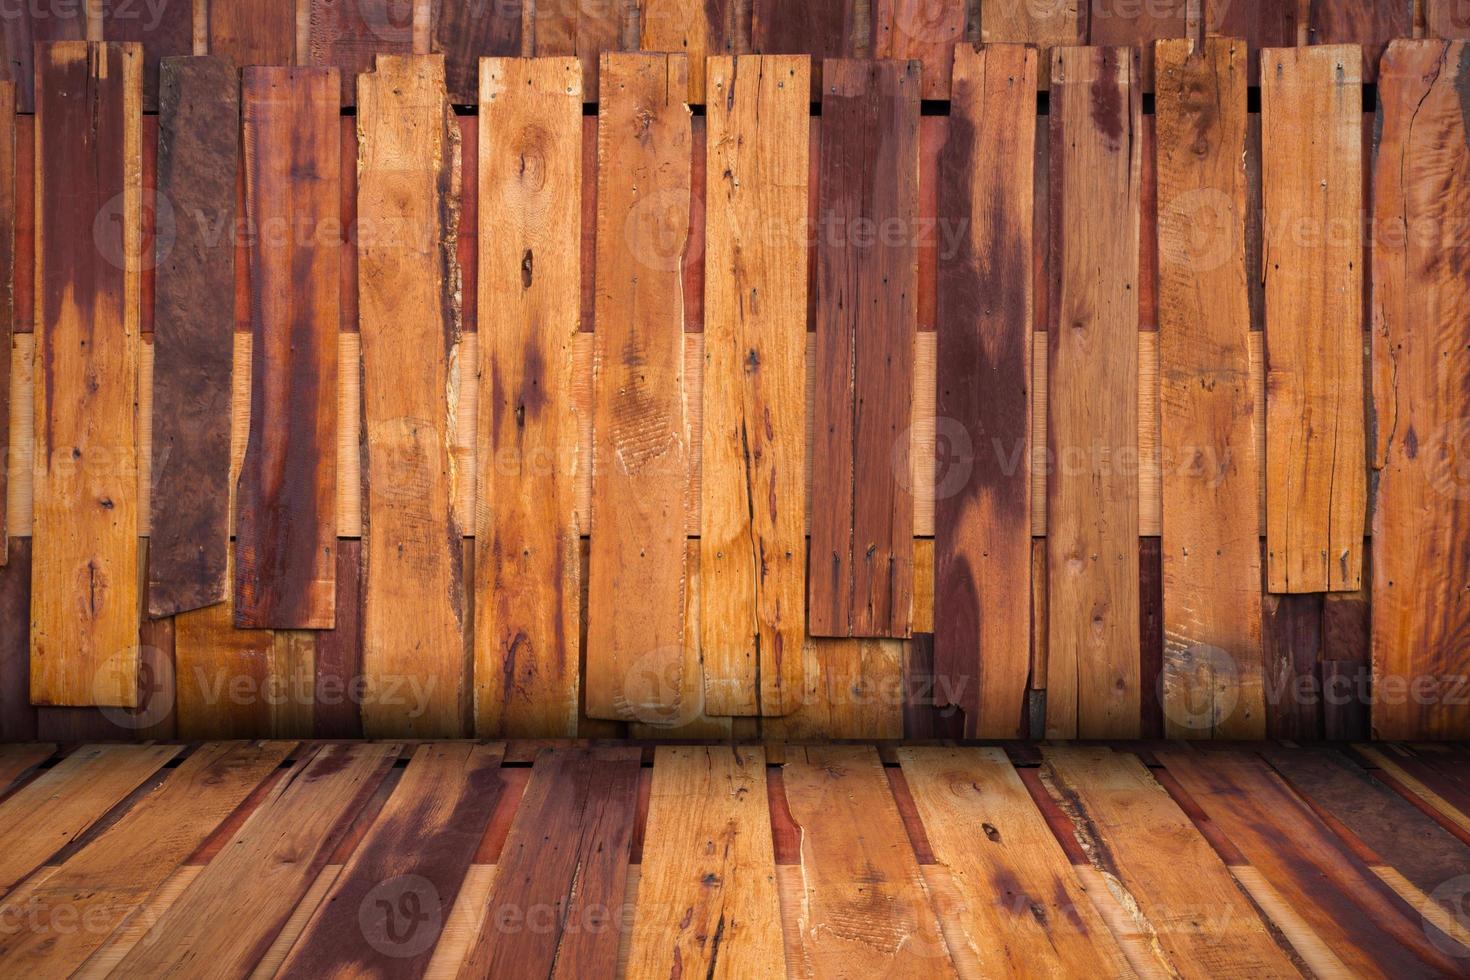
[593, 860]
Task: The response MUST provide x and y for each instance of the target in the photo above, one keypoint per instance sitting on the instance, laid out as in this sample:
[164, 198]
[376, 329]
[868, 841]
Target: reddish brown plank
[1291, 638]
[17, 717]
[1138, 25]
[26, 25]
[338, 685]
[558, 893]
[861, 574]
[587, 30]
[165, 28]
[1447, 18]
[349, 34]
[286, 537]
[1261, 23]
[982, 510]
[10, 190]
[388, 908]
[923, 30]
[1371, 23]
[466, 31]
[822, 29]
[253, 32]
[193, 336]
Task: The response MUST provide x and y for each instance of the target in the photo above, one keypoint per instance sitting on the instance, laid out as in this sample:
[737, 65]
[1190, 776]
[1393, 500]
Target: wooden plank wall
[1177, 639]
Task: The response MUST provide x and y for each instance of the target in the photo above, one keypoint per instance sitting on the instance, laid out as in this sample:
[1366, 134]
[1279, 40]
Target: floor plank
[16, 760]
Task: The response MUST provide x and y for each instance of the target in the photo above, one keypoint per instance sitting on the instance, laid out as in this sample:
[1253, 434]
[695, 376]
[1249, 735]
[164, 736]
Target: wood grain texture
[861, 575]
[386, 910]
[253, 32]
[638, 666]
[1260, 23]
[84, 597]
[165, 28]
[29, 25]
[1371, 23]
[285, 575]
[752, 588]
[923, 30]
[1047, 26]
[266, 869]
[1447, 18]
[1118, 23]
[854, 687]
[559, 883]
[350, 34]
[1291, 651]
[1421, 559]
[707, 894]
[106, 881]
[698, 28]
[10, 191]
[529, 460]
[1312, 176]
[865, 910]
[193, 337]
[1129, 827]
[50, 811]
[1211, 548]
[587, 30]
[17, 715]
[1092, 423]
[1023, 910]
[466, 31]
[1313, 870]
[337, 661]
[822, 29]
[409, 287]
[982, 508]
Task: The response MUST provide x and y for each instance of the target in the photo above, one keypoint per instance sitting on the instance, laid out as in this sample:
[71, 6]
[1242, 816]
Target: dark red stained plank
[586, 29]
[349, 34]
[388, 907]
[23, 279]
[17, 717]
[1291, 637]
[559, 885]
[861, 577]
[469, 221]
[286, 534]
[253, 32]
[1262, 23]
[927, 709]
[28, 24]
[193, 336]
[1151, 635]
[466, 31]
[1371, 23]
[165, 28]
[820, 28]
[589, 222]
[982, 510]
[1137, 24]
[339, 677]
[347, 315]
[10, 189]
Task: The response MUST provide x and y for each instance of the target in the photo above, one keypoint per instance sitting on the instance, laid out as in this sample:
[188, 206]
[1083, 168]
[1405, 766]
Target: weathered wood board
[409, 287]
[1312, 179]
[466, 31]
[587, 30]
[1370, 23]
[253, 32]
[193, 336]
[1047, 26]
[924, 31]
[84, 596]
[28, 25]
[982, 480]
[638, 665]
[822, 29]
[285, 575]
[1260, 23]
[528, 459]
[698, 28]
[1092, 424]
[350, 36]
[165, 28]
[1421, 358]
[752, 566]
[1139, 25]
[10, 192]
[1211, 548]
[861, 559]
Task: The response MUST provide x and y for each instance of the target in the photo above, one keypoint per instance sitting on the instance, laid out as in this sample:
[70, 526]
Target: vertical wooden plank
[982, 508]
[10, 192]
[387, 909]
[1211, 549]
[752, 539]
[1124, 23]
[587, 30]
[638, 667]
[285, 575]
[338, 686]
[698, 28]
[1312, 160]
[348, 36]
[17, 716]
[853, 690]
[1291, 649]
[84, 598]
[466, 31]
[1371, 23]
[861, 577]
[1421, 358]
[864, 908]
[528, 575]
[1046, 25]
[164, 28]
[1092, 424]
[193, 336]
[707, 900]
[253, 32]
[922, 30]
[1447, 18]
[27, 25]
[823, 29]
[559, 884]
[408, 285]
[1261, 23]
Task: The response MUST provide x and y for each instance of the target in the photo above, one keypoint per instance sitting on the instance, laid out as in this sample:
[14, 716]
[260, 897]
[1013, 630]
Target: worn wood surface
[638, 666]
[707, 894]
[861, 574]
[752, 544]
[1211, 549]
[1421, 559]
[165, 28]
[84, 597]
[698, 28]
[982, 480]
[408, 203]
[1047, 26]
[193, 337]
[29, 25]
[588, 30]
[466, 31]
[1446, 18]
[850, 685]
[285, 575]
[350, 36]
[924, 31]
[253, 32]
[1370, 23]
[1260, 23]
[1312, 176]
[10, 193]
[821, 29]
[529, 459]
[1092, 423]
[1139, 26]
